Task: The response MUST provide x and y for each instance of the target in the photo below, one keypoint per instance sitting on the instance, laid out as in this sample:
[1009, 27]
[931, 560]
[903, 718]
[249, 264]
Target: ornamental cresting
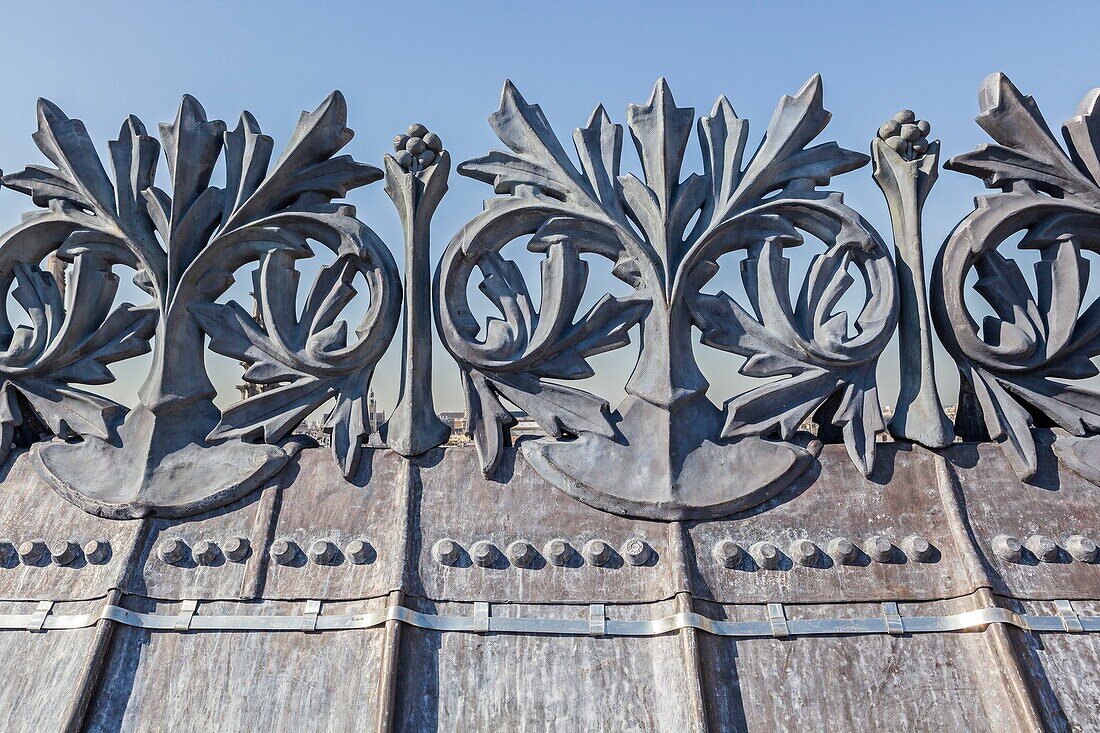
[667, 452]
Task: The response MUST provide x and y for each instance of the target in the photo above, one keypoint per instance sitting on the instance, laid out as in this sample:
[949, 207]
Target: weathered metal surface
[459, 682]
[1067, 665]
[917, 683]
[44, 673]
[1056, 504]
[319, 504]
[32, 512]
[457, 502]
[996, 679]
[192, 576]
[237, 681]
[836, 502]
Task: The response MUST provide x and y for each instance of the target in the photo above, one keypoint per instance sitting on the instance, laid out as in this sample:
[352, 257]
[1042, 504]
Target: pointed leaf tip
[45, 105]
[598, 115]
[722, 105]
[661, 90]
[249, 122]
[50, 114]
[1090, 103]
[510, 91]
[812, 88]
[133, 125]
[336, 104]
[191, 108]
[993, 90]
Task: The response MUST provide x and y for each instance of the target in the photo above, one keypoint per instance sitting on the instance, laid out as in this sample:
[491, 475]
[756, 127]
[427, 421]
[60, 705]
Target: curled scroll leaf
[641, 225]
[1019, 358]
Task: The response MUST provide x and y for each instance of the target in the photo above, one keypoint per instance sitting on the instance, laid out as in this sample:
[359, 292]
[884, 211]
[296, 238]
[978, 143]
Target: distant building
[525, 425]
[316, 429]
[246, 388]
[56, 267]
[456, 421]
[374, 416]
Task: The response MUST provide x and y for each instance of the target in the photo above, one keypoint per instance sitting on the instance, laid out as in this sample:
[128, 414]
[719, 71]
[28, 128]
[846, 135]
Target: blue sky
[444, 64]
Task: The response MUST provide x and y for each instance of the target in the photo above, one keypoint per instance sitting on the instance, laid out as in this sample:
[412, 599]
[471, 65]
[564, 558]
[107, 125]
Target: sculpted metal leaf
[173, 453]
[308, 360]
[1018, 362]
[71, 338]
[673, 451]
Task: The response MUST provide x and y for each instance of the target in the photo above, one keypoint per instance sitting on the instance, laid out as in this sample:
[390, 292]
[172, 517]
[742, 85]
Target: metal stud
[172, 550]
[558, 551]
[323, 552]
[30, 552]
[879, 548]
[97, 551]
[446, 552]
[484, 553]
[728, 553]
[844, 551]
[284, 551]
[766, 555]
[237, 548]
[1042, 547]
[918, 548]
[1008, 548]
[205, 552]
[1082, 548]
[597, 552]
[636, 551]
[358, 551]
[62, 552]
[803, 552]
[521, 553]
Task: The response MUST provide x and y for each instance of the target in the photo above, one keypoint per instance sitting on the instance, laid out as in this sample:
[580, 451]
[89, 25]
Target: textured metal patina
[770, 563]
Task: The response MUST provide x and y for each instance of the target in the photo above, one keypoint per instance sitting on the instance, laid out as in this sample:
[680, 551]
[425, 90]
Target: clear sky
[443, 64]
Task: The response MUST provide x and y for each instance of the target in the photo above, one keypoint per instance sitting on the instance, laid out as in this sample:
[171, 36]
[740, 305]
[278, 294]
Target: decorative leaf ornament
[1017, 364]
[71, 338]
[174, 454]
[667, 452]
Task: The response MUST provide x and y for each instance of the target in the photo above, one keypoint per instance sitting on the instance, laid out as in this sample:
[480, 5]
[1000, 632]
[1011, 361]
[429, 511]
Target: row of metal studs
[523, 554]
[767, 556]
[1045, 549]
[283, 551]
[59, 552]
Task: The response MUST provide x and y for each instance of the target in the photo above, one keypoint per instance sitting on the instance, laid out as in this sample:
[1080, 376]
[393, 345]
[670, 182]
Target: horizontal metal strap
[590, 624]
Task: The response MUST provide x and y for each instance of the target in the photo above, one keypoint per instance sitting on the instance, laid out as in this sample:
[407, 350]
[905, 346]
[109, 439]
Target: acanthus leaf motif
[185, 244]
[1017, 359]
[642, 228]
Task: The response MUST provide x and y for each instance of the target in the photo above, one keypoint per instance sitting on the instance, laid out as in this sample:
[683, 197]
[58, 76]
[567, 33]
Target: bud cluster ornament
[417, 149]
[906, 135]
[416, 181]
[905, 168]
